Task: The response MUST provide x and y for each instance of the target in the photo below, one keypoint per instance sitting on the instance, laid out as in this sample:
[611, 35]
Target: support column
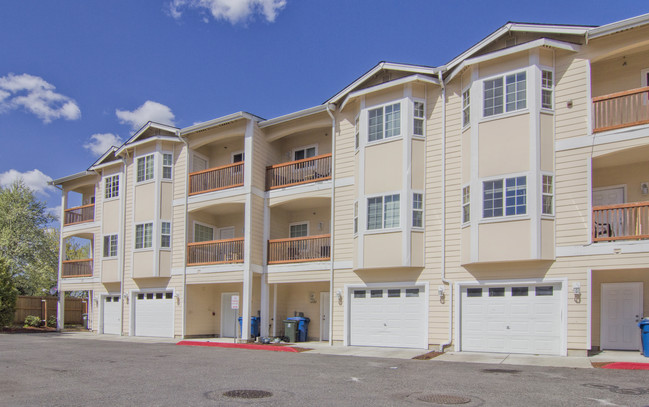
[246, 295]
[264, 306]
[60, 309]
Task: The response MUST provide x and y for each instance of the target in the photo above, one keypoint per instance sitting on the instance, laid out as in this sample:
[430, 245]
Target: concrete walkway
[543, 360]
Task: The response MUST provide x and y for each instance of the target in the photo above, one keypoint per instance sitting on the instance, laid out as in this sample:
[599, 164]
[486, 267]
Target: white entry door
[229, 321]
[608, 196]
[621, 309]
[324, 316]
[226, 233]
[154, 314]
[112, 318]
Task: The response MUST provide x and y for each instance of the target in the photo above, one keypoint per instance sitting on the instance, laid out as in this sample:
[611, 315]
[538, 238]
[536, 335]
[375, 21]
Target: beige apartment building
[498, 203]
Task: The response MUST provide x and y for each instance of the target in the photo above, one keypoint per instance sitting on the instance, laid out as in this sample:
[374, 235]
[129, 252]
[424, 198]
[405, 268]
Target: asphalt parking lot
[53, 370]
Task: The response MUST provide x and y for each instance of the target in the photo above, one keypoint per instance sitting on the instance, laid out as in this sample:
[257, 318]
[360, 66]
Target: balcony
[215, 252]
[621, 109]
[216, 179]
[79, 214]
[628, 221]
[299, 249]
[77, 268]
[298, 172]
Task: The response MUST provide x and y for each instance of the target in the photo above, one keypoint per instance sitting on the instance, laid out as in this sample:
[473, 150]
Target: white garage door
[391, 317]
[154, 314]
[512, 319]
[112, 318]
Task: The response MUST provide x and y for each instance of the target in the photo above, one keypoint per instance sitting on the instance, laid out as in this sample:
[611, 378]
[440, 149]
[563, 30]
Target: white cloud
[56, 212]
[37, 96]
[149, 111]
[234, 11]
[34, 179]
[100, 143]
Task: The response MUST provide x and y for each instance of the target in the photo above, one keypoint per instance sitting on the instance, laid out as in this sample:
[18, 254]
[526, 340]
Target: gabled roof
[219, 121]
[147, 126]
[106, 158]
[618, 26]
[72, 177]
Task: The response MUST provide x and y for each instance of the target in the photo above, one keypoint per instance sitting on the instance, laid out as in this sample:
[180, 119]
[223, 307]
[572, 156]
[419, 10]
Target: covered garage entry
[512, 318]
[390, 317]
[111, 314]
[154, 314]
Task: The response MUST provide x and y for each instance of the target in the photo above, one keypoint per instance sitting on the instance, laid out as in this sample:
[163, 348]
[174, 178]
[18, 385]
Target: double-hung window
[466, 204]
[466, 107]
[418, 119]
[165, 234]
[111, 187]
[355, 217]
[145, 168]
[546, 89]
[143, 235]
[167, 165]
[548, 195]
[203, 233]
[384, 122]
[357, 134]
[110, 246]
[508, 93]
[383, 212]
[417, 210]
[514, 194]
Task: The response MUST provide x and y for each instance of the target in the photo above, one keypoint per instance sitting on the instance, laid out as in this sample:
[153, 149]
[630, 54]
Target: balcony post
[60, 309]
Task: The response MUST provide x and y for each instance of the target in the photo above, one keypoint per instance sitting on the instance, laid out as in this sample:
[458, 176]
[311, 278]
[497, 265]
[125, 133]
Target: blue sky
[78, 75]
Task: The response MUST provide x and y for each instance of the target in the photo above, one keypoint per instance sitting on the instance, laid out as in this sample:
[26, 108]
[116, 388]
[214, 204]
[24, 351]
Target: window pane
[544, 290]
[418, 122]
[519, 291]
[474, 292]
[140, 296]
[392, 120]
[168, 296]
[139, 236]
[298, 230]
[493, 198]
[359, 293]
[148, 235]
[516, 92]
[516, 196]
[158, 296]
[374, 213]
[375, 125]
[392, 205]
[203, 233]
[493, 97]
[166, 228]
[149, 167]
[497, 292]
[394, 293]
[357, 134]
[106, 246]
[466, 204]
[417, 219]
[412, 292]
[140, 169]
[466, 107]
[376, 293]
[167, 159]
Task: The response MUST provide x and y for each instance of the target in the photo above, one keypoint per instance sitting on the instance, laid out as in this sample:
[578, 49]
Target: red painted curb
[273, 348]
[627, 366]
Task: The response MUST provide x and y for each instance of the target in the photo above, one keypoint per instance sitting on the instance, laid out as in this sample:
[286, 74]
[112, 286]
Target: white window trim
[554, 195]
[170, 235]
[422, 210]
[162, 166]
[207, 225]
[554, 83]
[384, 139]
[466, 89]
[462, 221]
[145, 181]
[144, 249]
[119, 187]
[242, 152]
[528, 197]
[117, 248]
[412, 119]
[305, 222]
[383, 229]
[304, 148]
[505, 113]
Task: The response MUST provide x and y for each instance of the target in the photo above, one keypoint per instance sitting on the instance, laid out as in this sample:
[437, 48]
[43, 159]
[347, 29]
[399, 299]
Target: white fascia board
[218, 121]
[172, 139]
[617, 26]
[383, 65]
[541, 42]
[72, 177]
[146, 127]
[103, 156]
[105, 165]
[407, 79]
[296, 115]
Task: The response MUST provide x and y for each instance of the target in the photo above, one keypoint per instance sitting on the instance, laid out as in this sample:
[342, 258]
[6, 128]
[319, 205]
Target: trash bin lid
[297, 319]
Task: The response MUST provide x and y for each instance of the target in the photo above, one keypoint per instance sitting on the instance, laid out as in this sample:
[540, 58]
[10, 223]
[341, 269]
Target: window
[546, 89]
[544, 290]
[145, 168]
[149, 296]
[384, 122]
[514, 93]
[140, 296]
[355, 217]
[396, 293]
[357, 134]
[497, 292]
[466, 107]
[548, 195]
[165, 234]
[519, 291]
[169, 296]
[383, 212]
[376, 293]
[515, 197]
[418, 119]
[466, 204]
[237, 157]
[474, 292]
[167, 165]
[303, 153]
[359, 293]
[203, 233]
[412, 292]
[143, 236]
[299, 230]
[417, 210]
[110, 246]
[111, 189]
[158, 296]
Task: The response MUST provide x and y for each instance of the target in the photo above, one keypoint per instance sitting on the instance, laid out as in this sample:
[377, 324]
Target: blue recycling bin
[644, 334]
[254, 327]
[302, 327]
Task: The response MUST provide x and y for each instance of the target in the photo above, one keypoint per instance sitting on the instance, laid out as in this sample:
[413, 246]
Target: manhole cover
[443, 399]
[247, 394]
[511, 371]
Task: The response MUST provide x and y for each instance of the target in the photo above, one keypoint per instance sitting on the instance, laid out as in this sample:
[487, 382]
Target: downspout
[443, 245]
[332, 227]
[186, 231]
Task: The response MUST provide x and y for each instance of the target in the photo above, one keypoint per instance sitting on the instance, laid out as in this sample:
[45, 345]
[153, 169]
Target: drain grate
[510, 371]
[247, 394]
[443, 399]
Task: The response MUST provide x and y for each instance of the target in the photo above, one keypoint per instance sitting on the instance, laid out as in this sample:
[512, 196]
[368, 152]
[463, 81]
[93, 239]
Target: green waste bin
[290, 330]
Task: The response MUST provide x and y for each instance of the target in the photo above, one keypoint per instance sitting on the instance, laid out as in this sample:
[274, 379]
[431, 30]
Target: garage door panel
[154, 315]
[112, 318]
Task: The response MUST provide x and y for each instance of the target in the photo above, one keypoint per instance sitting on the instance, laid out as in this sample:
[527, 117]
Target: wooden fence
[27, 305]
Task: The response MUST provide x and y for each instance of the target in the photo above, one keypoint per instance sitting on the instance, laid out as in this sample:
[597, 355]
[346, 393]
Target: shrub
[51, 321]
[8, 295]
[32, 320]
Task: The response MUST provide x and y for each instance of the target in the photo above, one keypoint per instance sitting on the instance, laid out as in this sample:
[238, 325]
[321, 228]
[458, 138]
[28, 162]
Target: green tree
[8, 294]
[28, 247]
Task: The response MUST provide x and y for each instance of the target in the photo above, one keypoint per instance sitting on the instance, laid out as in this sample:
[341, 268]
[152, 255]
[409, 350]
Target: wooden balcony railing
[79, 214]
[77, 268]
[215, 252]
[214, 179]
[622, 109]
[298, 172]
[299, 249]
[621, 222]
